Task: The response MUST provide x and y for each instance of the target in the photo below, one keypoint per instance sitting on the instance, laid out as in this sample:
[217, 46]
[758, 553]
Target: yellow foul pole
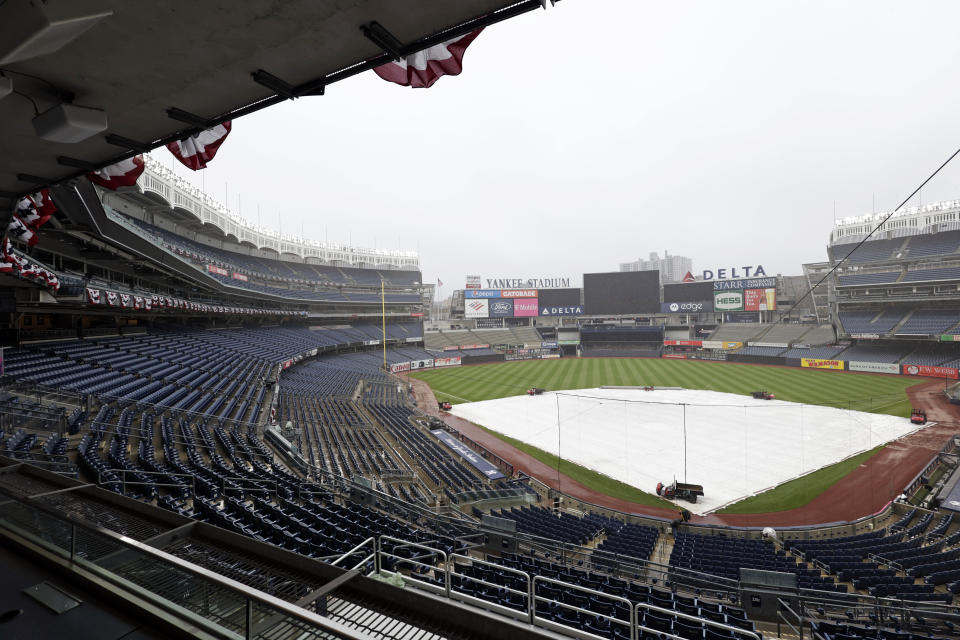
[383, 318]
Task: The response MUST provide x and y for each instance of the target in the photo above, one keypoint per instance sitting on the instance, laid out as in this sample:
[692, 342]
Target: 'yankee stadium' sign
[528, 283]
[733, 274]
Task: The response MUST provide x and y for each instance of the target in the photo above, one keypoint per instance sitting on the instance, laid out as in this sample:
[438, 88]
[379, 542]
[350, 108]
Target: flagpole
[383, 318]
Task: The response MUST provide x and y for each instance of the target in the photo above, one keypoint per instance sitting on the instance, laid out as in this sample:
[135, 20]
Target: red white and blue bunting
[197, 150]
[423, 68]
[121, 174]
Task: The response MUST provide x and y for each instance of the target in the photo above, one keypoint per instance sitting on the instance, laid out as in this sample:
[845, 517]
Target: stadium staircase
[902, 322]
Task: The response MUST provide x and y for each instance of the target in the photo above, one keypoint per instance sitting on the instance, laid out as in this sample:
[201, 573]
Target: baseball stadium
[213, 429]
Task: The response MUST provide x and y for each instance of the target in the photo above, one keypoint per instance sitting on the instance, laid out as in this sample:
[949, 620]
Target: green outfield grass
[878, 394]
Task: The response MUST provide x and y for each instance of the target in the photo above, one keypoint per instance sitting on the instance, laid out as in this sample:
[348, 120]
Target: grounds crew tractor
[763, 395]
[918, 416]
[535, 391]
[679, 491]
[444, 406]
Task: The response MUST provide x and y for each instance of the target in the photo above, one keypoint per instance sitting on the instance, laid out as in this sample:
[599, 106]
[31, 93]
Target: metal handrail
[528, 593]
[633, 613]
[371, 539]
[250, 594]
[687, 616]
[407, 543]
[124, 483]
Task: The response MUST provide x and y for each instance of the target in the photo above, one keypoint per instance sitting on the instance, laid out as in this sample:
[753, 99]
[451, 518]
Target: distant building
[671, 268]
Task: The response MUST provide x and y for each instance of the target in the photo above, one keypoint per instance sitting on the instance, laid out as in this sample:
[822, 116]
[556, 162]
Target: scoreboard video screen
[621, 293]
[692, 292]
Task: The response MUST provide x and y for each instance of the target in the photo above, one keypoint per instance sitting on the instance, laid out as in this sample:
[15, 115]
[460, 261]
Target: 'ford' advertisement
[501, 308]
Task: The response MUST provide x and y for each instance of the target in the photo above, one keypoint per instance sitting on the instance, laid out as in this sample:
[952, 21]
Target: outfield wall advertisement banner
[930, 372]
[674, 356]
[682, 343]
[775, 345]
[816, 363]
[447, 362]
[720, 344]
[421, 364]
[525, 307]
[476, 309]
[873, 367]
[397, 367]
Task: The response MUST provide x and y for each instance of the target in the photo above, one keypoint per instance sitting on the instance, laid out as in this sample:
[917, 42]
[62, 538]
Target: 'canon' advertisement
[525, 307]
[481, 293]
[929, 372]
[685, 307]
[476, 308]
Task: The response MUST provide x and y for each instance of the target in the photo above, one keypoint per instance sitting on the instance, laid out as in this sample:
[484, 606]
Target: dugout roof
[143, 61]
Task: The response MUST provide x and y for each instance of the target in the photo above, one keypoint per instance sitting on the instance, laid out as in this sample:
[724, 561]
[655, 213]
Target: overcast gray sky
[601, 130]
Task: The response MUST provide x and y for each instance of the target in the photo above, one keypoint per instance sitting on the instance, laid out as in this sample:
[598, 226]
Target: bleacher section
[270, 269]
[867, 352]
[722, 556]
[873, 251]
[929, 322]
[437, 340]
[621, 341]
[786, 333]
[871, 322]
[869, 278]
[820, 335]
[737, 331]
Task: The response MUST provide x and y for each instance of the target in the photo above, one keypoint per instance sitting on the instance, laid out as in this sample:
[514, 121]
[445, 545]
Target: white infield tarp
[733, 445]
